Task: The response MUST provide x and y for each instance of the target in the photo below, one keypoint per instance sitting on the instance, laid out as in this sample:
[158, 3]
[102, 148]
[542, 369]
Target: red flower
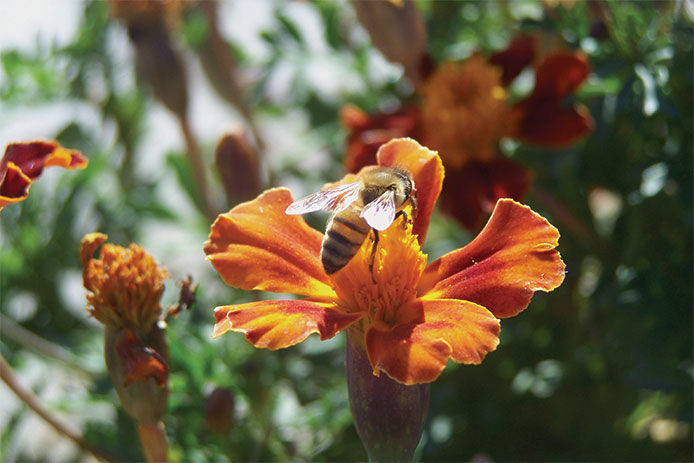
[464, 113]
[24, 162]
[410, 317]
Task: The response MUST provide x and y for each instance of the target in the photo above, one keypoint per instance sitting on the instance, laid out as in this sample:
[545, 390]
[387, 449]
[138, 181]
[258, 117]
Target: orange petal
[257, 246]
[519, 54]
[140, 362]
[511, 258]
[427, 171]
[417, 352]
[470, 193]
[279, 324]
[546, 123]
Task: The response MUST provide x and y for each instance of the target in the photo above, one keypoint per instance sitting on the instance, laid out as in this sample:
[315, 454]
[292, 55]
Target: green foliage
[598, 370]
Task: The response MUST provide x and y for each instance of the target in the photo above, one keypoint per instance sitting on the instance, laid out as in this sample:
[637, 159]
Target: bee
[370, 204]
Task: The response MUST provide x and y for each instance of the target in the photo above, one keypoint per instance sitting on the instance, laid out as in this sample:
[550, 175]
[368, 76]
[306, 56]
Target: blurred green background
[598, 370]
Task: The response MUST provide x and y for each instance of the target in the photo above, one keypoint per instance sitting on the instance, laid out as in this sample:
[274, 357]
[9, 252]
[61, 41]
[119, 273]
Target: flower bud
[219, 410]
[238, 164]
[157, 62]
[397, 30]
[125, 286]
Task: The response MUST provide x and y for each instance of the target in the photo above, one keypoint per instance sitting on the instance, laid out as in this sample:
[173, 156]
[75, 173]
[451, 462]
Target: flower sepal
[389, 416]
[138, 377]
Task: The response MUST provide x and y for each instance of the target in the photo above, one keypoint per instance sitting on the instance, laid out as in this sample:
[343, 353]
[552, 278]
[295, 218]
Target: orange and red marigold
[464, 112]
[414, 317]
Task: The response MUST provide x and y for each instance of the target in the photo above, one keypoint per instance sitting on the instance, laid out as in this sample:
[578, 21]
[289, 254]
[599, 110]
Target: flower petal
[511, 258]
[257, 246]
[470, 193]
[519, 54]
[418, 351]
[559, 74]
[32, 157]
[22, 163]
[278, 324]
[427, 171]
[367, 132]
[14, 185]
[546, 123]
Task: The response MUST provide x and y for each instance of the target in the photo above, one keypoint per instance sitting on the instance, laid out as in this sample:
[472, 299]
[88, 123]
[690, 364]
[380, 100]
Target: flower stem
[195, 157]
[29, 398]
[389, 416]
[153, 440]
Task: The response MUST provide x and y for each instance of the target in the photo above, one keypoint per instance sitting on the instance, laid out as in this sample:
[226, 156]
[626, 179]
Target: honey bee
[370, 204]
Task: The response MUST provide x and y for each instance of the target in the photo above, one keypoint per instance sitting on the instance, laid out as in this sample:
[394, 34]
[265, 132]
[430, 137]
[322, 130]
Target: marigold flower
[125, 287]
[415, 316]
[464, 113]
[125, 284]
[22, 164]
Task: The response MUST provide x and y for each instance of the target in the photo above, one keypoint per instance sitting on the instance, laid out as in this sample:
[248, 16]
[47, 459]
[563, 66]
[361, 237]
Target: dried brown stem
[29, 398]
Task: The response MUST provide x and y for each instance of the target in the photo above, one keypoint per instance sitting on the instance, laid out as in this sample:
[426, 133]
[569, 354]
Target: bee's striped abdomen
[344, 236]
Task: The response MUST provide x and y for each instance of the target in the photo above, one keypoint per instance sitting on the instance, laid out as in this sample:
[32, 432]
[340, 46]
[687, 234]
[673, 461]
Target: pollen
[125, 284]
[398, 265]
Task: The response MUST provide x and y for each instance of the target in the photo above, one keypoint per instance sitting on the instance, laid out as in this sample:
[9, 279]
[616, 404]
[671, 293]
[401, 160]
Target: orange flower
[415, 316]
[22, 163]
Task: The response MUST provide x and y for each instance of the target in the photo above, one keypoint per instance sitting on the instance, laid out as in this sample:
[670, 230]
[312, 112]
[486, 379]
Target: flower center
[465, 113]
[398, 265]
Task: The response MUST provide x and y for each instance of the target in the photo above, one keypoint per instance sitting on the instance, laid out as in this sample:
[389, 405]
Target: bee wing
[332, 199]
[380, 213]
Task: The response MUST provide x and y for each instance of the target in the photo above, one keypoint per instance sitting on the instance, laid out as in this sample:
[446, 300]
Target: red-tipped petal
[22, 163]
[32, 157]
[14, 185]
[512, 257]
[418, 351]
[257, 246]
[427, 171]
[278, 324]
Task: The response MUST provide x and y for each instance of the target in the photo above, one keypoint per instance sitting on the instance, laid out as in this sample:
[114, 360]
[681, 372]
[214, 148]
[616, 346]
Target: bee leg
[403, 213]
[373, 255]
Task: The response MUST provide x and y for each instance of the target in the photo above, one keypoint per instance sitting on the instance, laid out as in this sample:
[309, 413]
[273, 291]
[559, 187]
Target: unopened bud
[219, 410]
[238, 164]
[397, 30]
